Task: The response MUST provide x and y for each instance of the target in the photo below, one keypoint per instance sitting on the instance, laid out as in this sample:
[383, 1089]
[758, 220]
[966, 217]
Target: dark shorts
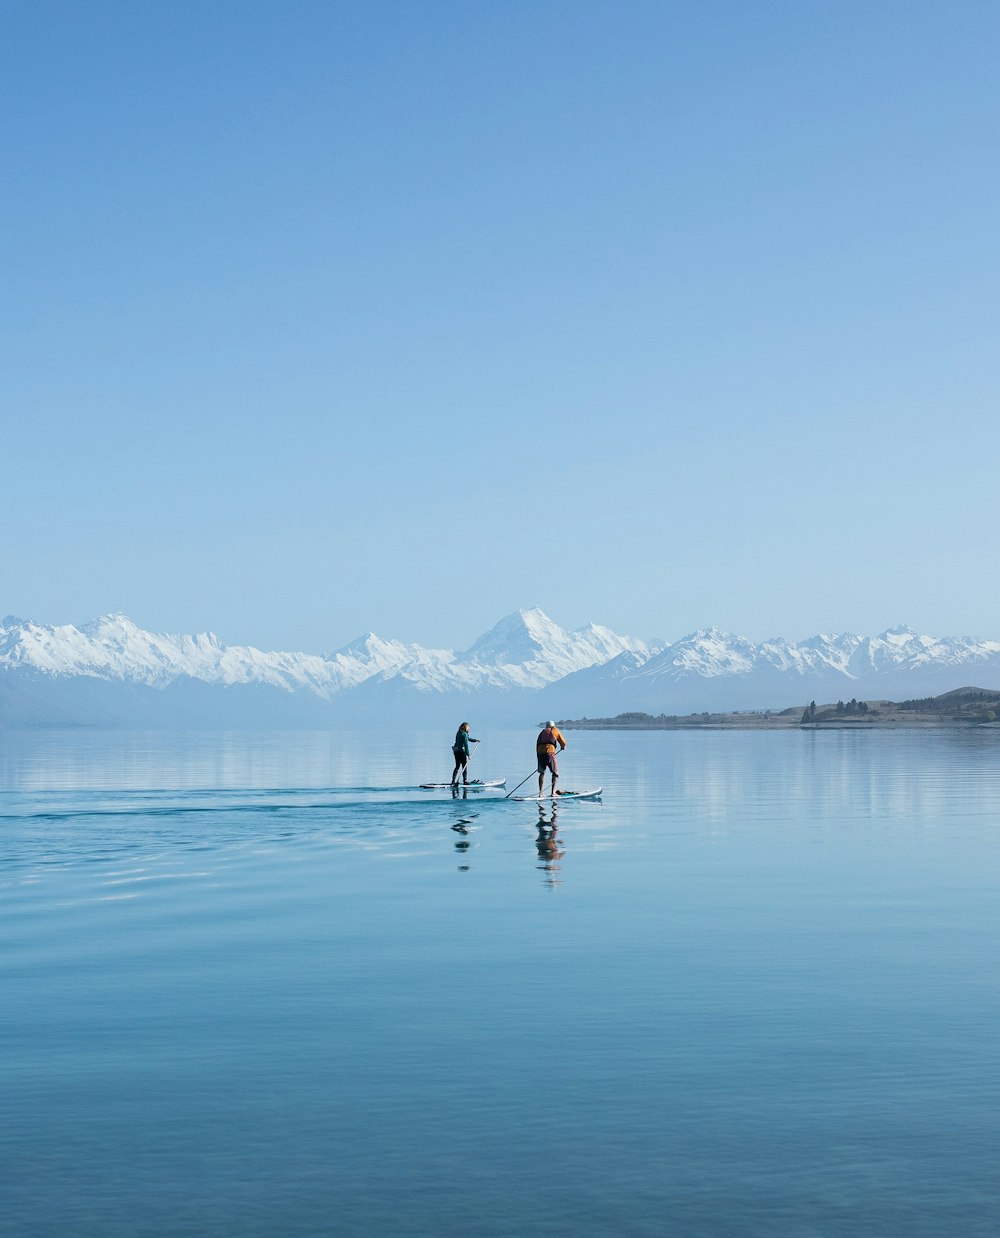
[547, 760]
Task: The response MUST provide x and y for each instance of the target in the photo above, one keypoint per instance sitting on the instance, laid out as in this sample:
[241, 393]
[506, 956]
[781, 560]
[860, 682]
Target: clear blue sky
[323, 317]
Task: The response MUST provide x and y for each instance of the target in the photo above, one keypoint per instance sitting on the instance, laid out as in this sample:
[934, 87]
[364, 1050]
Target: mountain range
[111, 672]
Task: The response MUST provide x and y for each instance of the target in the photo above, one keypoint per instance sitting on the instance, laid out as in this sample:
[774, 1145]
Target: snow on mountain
[712, 653]
[528, 650]
[592, 670]
[524, 650]
[902, 647]
[113, 648]
[367, 656]
[715, 669]
[833, 651]
[707, 653]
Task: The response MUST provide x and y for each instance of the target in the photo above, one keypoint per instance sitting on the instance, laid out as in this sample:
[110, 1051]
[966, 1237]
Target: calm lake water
[259, 985]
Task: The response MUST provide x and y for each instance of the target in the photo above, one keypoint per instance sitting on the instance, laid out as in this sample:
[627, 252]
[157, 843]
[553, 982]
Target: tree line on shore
[963, 705]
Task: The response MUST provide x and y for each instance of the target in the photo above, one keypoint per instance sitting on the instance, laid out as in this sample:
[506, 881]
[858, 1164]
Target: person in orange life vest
[545, 747]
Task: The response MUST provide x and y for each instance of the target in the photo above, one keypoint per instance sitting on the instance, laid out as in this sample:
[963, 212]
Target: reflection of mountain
[110, 671]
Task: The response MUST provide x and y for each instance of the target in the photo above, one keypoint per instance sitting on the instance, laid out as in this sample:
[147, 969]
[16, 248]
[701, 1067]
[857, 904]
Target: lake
[258, 984]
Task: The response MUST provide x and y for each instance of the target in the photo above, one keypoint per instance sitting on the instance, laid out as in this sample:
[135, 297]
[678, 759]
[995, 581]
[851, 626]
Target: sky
[400, 316]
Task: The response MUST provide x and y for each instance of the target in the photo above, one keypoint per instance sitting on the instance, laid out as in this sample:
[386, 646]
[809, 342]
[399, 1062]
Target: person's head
[550, 723]
[464, 726]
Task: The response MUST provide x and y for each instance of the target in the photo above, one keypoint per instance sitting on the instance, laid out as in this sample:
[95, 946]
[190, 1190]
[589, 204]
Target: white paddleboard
[563, 795]
[474, 785]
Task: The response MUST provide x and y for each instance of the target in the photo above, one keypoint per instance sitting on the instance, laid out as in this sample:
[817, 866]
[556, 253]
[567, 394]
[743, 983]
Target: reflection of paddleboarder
[462, 827]
[549, 846]
[545, 748]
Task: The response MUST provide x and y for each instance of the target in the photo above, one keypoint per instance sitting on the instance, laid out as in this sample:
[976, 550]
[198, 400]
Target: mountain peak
[714, 635]
[533, 619]
[113, 621]
[366, 646]
[525, 650]
[517, 637]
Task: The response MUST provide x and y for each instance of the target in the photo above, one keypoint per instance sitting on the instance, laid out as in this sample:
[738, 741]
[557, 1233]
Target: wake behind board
[475, 785]
[563, 795]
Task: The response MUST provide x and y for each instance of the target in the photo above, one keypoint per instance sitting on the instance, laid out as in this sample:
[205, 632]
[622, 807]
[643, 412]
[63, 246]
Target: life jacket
[546, 738]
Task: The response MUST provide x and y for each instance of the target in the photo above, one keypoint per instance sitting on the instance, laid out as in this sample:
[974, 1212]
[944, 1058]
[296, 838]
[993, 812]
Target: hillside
[962, 707]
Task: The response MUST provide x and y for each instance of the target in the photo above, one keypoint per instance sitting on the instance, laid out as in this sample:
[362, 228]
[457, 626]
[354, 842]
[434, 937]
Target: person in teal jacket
[462, 752]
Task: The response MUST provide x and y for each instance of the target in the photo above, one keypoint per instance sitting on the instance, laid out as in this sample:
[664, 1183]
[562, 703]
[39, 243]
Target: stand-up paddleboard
[476, 784]
[595, 794]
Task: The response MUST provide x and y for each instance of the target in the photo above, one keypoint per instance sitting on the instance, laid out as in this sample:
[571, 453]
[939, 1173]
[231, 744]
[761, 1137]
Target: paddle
[520, 784]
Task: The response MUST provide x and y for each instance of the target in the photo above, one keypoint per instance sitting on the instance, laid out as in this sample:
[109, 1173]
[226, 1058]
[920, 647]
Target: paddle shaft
[520, 784]
[471, 755]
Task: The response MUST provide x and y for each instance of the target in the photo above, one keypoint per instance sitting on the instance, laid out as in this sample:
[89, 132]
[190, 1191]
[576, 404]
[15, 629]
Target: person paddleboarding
[545, 747]
[462, 752]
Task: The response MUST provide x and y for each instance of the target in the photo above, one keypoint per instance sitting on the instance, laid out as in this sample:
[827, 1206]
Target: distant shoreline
[960, 709]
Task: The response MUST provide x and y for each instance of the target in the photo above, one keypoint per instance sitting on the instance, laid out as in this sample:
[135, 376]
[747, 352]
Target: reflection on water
[549, 846]
[91, 760]
[462, 826]
[262, 984]
[865, 775]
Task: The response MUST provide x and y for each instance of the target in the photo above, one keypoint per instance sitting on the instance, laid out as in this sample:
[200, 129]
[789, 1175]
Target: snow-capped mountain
[113, 648]
[713, 653]
[529, 650]
[524, 650]
[525, 664]
[713, 669]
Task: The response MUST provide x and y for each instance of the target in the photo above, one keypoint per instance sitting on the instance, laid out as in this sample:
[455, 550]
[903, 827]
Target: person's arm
[559, 736]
